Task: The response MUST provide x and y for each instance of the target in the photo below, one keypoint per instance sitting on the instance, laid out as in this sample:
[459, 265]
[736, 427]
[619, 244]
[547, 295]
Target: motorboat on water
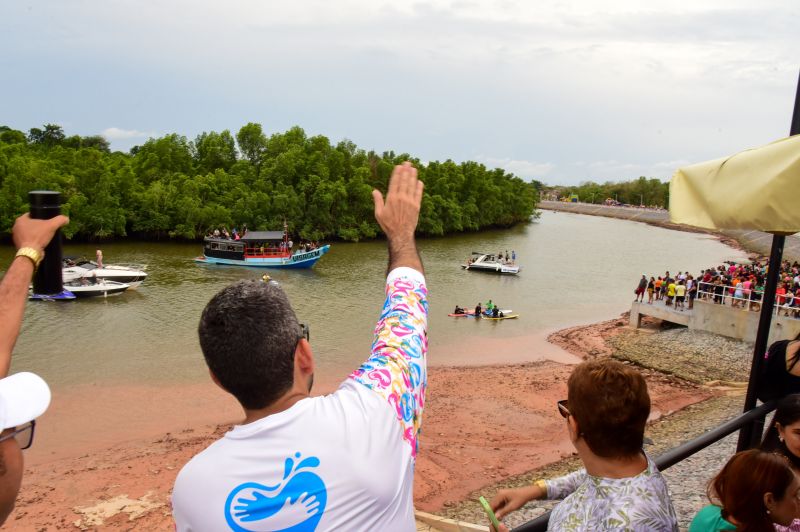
[101, 288]
[131, 274]
[488, 262]
[264, 249]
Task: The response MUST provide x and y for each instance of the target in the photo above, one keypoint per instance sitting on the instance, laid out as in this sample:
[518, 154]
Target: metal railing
[682, 452]
[750, 299]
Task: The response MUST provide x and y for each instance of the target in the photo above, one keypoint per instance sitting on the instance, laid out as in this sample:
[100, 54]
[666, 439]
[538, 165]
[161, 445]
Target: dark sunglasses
[563, 408]
[305, 332]
[23, 434]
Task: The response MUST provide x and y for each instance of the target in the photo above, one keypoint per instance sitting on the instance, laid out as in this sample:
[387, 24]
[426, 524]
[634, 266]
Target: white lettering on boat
[305, 256]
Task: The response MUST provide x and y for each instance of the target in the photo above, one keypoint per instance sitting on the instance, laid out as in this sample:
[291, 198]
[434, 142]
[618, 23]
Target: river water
[575, 269]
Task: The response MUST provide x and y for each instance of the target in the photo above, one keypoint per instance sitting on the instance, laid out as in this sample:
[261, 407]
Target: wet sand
[481, 423]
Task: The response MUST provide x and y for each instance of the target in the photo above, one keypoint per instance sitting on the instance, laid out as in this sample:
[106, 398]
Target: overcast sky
[560, 91]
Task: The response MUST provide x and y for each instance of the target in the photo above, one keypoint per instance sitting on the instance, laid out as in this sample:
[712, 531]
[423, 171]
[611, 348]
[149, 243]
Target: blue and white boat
[262, 249]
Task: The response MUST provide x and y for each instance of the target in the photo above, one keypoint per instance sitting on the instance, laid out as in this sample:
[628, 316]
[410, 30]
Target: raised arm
[27, 233]
[396, 369]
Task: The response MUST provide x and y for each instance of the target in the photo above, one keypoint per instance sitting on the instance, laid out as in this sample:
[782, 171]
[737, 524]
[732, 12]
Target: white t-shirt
[344, 461]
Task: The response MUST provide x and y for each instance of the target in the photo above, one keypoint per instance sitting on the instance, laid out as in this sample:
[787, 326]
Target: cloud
[626, 87]
[115, 133]
[522, 168]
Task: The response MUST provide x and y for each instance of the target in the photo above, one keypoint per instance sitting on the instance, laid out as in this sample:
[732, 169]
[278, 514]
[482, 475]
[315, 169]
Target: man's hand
[36, 234]
[399, 214]
[27, 233]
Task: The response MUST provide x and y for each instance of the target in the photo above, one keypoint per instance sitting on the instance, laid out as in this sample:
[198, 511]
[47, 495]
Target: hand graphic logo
[296, 504]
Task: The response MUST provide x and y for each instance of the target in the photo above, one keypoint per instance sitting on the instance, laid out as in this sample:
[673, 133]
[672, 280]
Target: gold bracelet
[34, 255]
[541, 484]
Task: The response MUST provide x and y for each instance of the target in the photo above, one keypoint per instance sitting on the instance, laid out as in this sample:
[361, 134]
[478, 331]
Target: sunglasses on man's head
[305, 332]
[563, 408]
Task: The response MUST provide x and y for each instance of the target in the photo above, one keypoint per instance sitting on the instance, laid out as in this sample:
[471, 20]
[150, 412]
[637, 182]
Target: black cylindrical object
[49, 278]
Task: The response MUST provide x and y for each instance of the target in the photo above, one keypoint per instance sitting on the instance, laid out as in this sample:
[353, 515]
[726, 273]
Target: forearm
[13, 293]
[396, 369]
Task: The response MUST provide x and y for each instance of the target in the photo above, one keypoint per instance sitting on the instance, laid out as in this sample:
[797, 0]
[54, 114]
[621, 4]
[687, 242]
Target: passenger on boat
[459, 310]
[478, 310]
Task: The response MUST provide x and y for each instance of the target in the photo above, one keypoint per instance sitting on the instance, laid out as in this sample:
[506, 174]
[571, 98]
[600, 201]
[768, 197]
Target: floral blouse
[595, 503]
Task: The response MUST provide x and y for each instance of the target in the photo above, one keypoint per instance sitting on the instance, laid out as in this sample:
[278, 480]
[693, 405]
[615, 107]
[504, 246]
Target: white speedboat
[131, 274]
[100, 288]
[488, 262]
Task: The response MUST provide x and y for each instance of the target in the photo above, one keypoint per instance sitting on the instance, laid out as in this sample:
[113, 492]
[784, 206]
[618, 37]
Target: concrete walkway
[659, 310]
[752, 241]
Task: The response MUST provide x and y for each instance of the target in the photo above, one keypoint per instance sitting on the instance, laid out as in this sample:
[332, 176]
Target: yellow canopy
[755, 189]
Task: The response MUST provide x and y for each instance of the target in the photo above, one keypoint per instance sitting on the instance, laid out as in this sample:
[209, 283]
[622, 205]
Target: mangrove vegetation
[173, 187]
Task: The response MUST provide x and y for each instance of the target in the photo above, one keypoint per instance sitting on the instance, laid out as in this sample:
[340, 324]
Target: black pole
[794, 129]
[750, 435]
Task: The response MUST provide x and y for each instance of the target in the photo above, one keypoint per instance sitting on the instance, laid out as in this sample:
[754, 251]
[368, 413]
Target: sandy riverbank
[482, 424]
[673, 358]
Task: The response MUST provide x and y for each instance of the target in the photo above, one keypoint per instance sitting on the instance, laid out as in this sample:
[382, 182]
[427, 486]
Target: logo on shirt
[295, 504]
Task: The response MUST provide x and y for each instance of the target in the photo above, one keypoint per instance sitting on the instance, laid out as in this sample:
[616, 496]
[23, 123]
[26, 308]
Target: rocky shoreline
[684, 359]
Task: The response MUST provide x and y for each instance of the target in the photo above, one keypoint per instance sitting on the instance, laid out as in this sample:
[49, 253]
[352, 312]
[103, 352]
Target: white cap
[23, 397]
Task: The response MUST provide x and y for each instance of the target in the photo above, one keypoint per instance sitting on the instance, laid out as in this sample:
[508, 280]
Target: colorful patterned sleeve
[559, 488]
[396, 370]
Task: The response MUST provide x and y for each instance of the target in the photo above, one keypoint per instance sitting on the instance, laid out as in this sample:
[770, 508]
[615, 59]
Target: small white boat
[488, 262]
[101, 288]
[131, 274]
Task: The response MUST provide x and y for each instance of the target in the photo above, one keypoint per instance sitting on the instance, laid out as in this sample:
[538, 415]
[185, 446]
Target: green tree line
[642, 191]
[171, 187]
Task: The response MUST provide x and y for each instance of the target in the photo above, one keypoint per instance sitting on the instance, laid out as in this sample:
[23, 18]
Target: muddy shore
[680, 359]
[481, 425]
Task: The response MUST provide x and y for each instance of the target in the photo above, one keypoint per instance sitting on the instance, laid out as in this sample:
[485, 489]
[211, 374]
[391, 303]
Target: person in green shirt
[755, 491]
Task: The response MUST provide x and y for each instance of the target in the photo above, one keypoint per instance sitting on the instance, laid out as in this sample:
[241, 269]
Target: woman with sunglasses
[620, 488]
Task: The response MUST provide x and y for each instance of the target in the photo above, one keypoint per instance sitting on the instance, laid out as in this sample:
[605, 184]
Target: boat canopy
[262, 236]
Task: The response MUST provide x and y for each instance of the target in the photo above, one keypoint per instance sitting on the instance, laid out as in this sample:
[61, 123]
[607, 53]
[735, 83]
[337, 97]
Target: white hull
[99, 289]
[130, 275]
[486, 262]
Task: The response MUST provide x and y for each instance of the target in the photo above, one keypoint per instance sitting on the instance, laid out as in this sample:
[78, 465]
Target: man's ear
[304, 357]
[216, 379]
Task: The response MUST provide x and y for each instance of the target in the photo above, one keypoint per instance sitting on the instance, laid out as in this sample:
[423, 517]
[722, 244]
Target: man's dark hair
[248, 334]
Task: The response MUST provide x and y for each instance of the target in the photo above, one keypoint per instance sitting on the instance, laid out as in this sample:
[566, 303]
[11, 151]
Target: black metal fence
[673, 456]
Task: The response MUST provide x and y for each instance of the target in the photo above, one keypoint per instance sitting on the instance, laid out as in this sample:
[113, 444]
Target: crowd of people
[266, 247]
[736, 284]
[274, 471]
[222, 232]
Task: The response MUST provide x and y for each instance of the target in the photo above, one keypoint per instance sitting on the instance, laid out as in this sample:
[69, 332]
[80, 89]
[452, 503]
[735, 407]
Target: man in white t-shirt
[343, 461]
